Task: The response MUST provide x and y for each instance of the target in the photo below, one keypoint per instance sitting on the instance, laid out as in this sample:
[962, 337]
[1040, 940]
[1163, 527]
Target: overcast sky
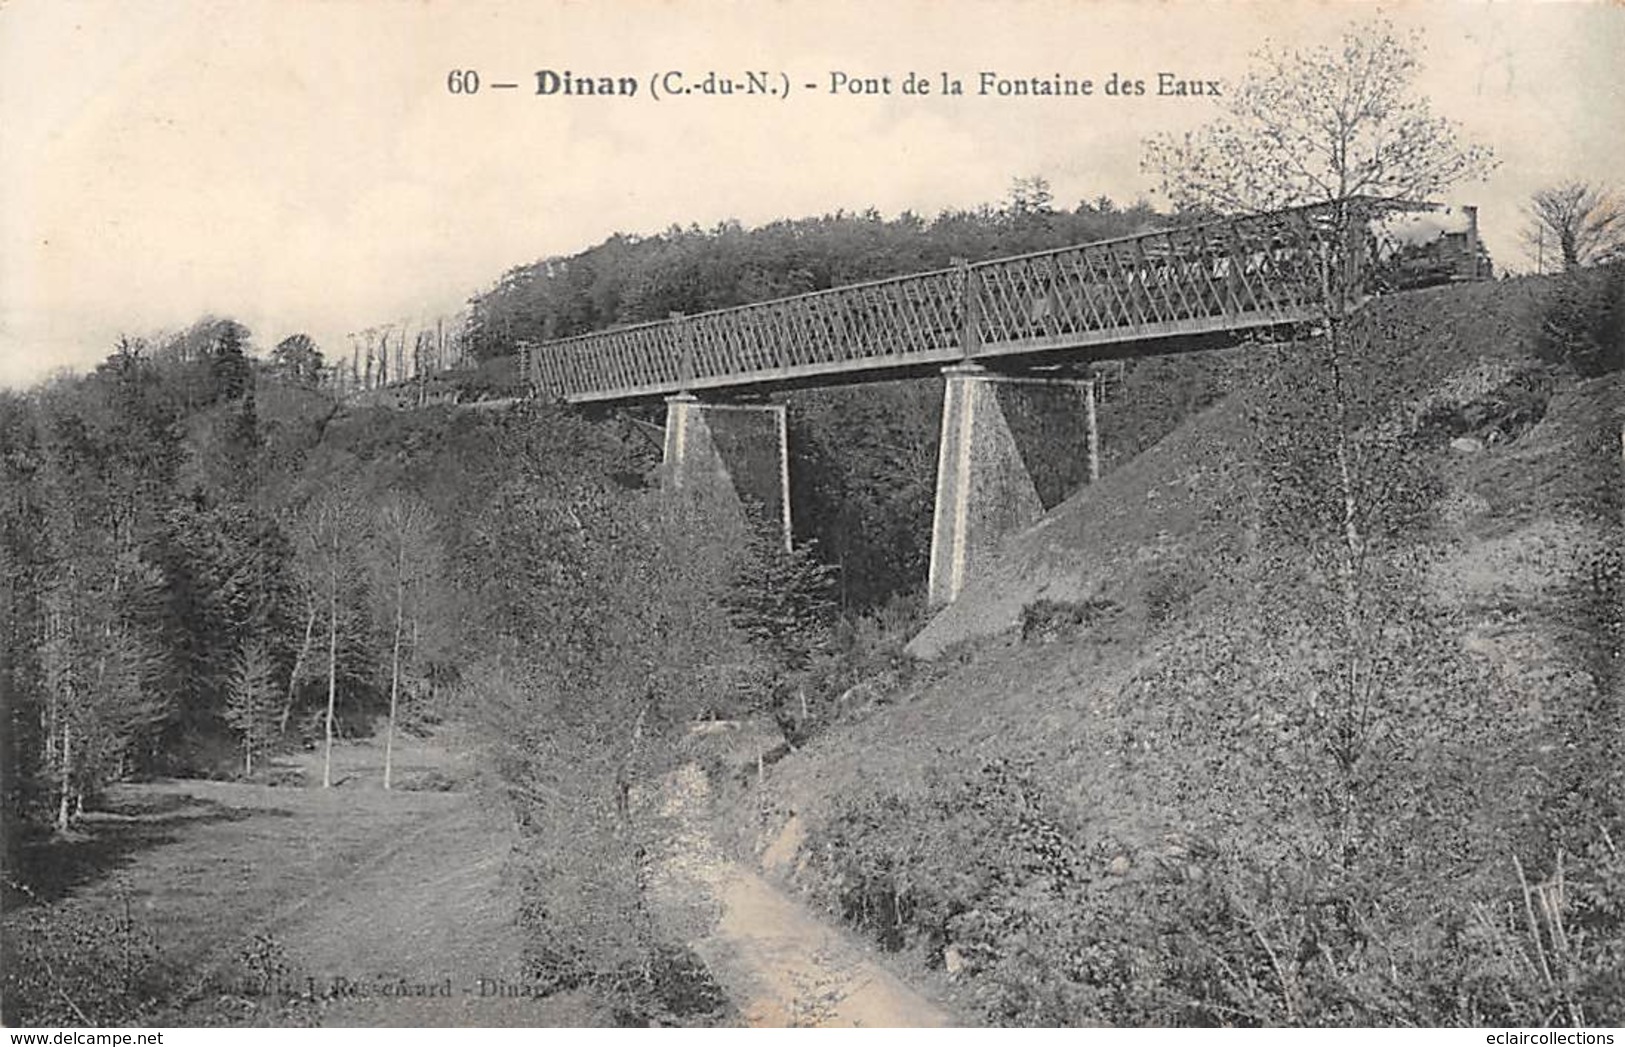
[303, 166]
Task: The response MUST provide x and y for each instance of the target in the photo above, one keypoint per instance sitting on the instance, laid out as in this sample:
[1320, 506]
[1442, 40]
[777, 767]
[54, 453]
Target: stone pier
[1013, 447]
[737, 452]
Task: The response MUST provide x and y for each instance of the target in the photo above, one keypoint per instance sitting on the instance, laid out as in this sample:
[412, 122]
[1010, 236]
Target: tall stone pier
[1013, 447]
[737, 454]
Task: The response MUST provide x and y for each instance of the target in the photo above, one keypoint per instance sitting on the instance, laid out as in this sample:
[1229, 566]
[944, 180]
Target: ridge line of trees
[630, 279]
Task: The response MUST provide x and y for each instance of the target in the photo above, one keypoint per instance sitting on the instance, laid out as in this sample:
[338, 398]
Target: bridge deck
[1109, 298]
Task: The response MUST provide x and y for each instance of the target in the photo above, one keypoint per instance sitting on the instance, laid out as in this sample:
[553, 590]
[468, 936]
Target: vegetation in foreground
[1152, 801]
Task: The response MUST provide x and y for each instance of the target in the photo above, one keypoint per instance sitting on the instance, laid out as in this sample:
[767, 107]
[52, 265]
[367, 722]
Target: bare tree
[312, 601]
[1341, 126]
[1331, 125]
[406, 566]
[1029, 196]
[328, 538]
[99, 666]
[1581, 223]
[1325, 124]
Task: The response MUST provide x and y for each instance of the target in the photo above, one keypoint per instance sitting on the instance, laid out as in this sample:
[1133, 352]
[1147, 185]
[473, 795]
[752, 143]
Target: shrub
[1582, 323]
[1500, 415]
[72, 965]
[1053, 923]
[1044, 621]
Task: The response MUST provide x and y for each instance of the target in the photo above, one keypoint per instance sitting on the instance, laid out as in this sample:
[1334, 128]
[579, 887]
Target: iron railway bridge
[1161, 291]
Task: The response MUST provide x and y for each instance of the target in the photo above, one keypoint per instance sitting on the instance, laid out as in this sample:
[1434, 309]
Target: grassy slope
[184, 896]
[1168, 729]
[1178, 502]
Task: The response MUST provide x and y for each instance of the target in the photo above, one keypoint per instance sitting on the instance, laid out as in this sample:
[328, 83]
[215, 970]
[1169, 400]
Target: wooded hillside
[631, 279]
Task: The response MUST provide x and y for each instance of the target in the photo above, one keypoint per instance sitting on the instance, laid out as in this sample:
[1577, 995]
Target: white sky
[301, 165]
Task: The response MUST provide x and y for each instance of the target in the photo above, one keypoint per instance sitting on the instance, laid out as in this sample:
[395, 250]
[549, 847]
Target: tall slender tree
[98, 597]
[407, 566]
[1342, 126]
[330, 537]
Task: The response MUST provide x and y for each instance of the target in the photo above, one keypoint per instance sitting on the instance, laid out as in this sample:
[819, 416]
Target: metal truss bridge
[1153, 292]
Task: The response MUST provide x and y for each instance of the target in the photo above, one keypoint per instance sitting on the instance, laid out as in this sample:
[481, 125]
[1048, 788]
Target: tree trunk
[65, 779]
[1347, 742]
[332, 665]
[1092, 418]
[395, 660]
[298, 665]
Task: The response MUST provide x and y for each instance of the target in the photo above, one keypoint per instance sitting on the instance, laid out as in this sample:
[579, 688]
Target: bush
[1582, 323]
[985, 873]
[1052, 924]
[1044, 621]
[864, 666]
[1500, 415]
[71, 965]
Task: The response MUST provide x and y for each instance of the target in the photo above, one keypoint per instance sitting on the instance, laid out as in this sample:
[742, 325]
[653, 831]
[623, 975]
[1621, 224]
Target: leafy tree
[233, 375]
[297, 359]
[133, 436]
[1029, 209]
[1327, 124]
[209, 595]
[1577, 222]
[1582, 322]
[784, 602]
[108, 452]
[597, 602]
[1030, 195]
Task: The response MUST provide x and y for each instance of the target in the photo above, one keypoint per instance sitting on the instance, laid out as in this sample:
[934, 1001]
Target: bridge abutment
[1013, 447]
[737, 454]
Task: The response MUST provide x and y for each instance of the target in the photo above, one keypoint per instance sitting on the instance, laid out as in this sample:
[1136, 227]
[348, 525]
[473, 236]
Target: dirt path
[780, 963]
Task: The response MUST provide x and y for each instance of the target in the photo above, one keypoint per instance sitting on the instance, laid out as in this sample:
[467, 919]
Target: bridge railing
[1252, 270]
[844, 328]
[1234, 273]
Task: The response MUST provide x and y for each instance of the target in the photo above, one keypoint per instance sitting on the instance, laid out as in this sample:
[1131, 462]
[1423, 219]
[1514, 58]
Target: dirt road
[781, 963]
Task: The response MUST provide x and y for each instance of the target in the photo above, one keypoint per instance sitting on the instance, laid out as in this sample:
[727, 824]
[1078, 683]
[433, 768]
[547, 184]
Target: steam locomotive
[1423, 248]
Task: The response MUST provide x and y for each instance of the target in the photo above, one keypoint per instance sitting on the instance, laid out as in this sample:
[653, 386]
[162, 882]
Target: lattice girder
[1254, 271]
